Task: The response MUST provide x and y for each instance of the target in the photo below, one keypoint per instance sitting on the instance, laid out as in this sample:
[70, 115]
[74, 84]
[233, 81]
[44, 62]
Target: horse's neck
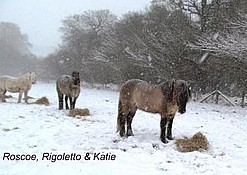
[26, 78]
[73, 86]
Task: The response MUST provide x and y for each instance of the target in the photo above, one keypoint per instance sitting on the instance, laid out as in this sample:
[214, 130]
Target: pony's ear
[168, 88]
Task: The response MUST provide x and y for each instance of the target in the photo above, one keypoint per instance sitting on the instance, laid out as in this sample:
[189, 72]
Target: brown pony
[166, 99]
[70, 87]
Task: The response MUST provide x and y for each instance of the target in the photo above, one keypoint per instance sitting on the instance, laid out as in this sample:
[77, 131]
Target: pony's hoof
[164, 141]
[122, 134]
[170, 138]
[129, 134]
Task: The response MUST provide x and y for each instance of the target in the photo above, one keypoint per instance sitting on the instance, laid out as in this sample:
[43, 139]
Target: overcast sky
[40, 19]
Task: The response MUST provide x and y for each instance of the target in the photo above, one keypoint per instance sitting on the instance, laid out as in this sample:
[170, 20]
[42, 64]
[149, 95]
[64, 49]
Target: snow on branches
[232, 42]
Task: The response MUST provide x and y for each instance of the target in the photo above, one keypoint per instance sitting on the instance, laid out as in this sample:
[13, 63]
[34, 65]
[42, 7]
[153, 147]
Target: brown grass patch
[77, 111]
[42, 101]
[198, 142]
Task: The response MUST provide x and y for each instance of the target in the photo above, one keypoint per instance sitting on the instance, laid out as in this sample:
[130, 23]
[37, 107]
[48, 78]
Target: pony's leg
[169, 129]
[163, 128]
[121, 120]
[73, 102]
[2, 95]
[129, 122]
[66, 102]
[60, 100]
[20, 96]
[25, 97]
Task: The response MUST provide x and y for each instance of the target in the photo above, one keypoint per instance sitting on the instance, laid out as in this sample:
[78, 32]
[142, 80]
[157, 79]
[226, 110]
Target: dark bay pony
[166, 99]
[70, 87]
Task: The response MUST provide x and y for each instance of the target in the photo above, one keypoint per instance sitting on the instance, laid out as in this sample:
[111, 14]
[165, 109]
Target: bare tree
[196, 9]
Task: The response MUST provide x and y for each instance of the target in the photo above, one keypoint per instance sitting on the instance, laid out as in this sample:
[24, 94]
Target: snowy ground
[33, 129]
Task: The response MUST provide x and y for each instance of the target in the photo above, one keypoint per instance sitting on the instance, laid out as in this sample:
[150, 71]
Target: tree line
[15, 54]
[201, 41]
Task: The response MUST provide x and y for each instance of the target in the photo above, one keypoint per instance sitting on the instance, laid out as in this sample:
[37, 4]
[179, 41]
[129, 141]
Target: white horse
[17, 85]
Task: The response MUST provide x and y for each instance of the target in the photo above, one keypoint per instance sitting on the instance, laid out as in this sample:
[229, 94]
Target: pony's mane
[167, 89]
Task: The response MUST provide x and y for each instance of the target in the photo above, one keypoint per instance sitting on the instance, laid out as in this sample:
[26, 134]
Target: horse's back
[7, 78]
[128, 88]
[9, 83]
[64, 79]
[142, 95]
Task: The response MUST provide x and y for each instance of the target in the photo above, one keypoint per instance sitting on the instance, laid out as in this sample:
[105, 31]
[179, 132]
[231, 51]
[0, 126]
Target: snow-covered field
[44, 130]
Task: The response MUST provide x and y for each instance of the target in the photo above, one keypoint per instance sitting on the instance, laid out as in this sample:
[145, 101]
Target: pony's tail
[119, 116]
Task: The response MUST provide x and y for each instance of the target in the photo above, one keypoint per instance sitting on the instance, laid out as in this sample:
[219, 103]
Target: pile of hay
[42, 101]
[77, 111]
[198, 142]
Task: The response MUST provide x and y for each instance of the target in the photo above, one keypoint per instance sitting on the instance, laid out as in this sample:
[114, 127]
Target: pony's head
[183, 94]
[75, 78]
[31, 77]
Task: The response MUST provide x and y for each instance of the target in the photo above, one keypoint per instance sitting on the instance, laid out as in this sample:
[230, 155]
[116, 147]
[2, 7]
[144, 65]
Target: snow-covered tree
[231, 42]
[14, 50]
[151, 45]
